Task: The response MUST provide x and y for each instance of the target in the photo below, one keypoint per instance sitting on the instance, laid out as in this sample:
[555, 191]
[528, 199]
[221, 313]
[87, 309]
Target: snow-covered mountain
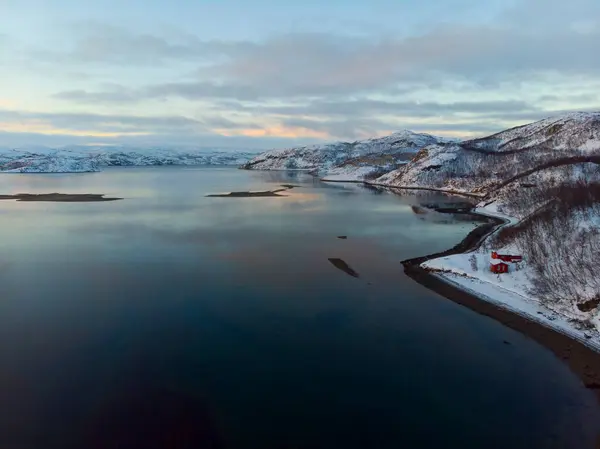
[576, 130]
[481, 165]
[90, 159]
[358, 159]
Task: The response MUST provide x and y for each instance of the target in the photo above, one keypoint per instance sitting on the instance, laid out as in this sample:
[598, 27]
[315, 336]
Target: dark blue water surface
[224, 317]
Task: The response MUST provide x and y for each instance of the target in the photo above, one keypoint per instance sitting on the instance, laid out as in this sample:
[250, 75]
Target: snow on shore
[512, 291]
[521, 305]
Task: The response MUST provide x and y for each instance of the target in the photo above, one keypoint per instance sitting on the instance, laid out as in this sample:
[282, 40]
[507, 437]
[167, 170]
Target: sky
[271, 73]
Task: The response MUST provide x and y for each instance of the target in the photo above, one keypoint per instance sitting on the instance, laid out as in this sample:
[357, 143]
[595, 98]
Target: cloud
[312, 64]
[534, 58]
[99, 122]
[208, 140]
[24, 127]
[107, 44]
[570, 98]
[368, 107]
[360, 118]
[318, 65]
[116, 95]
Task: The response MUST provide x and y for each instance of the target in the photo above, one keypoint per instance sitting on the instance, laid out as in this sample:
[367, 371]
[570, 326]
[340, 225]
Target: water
[231, 307]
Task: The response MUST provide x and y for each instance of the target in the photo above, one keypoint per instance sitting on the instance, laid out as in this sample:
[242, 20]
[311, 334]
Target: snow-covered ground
[567, 131]
[90, 159]
[491, 210]
[348, 174]
[524, 306]
[480, 165]
[512, 290]
[355, 173]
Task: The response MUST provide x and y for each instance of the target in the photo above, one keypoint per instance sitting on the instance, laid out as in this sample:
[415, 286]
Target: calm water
[231, 308]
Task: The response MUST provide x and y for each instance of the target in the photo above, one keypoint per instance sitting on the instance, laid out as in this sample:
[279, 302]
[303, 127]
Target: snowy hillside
[90, 159]
[350, 160]
[481, 165]
[557, 231]
[578, 130]
[16, 161]
[544, 178]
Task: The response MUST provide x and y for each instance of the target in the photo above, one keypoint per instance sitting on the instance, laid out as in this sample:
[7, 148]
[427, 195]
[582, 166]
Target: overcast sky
[269, 73]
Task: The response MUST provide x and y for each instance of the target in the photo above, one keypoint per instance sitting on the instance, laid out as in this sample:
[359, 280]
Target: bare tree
[473, 262]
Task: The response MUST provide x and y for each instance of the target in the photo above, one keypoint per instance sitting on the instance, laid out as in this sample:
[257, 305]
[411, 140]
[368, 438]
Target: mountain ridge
[91, 159]
[361, 156]
[384, 159]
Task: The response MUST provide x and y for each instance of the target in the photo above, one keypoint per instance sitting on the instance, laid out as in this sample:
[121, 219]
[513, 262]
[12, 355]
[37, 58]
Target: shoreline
[392, 188]
[581, 358]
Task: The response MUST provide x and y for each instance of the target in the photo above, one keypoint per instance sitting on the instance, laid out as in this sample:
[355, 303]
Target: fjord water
[231, 306]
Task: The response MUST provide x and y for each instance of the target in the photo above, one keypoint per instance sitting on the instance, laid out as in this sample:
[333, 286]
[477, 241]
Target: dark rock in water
[418, 210]
[343, 266]
[342, 237]
[266, 193]
[289, 186]
[452, 206]
[373, 189]
[59, 197]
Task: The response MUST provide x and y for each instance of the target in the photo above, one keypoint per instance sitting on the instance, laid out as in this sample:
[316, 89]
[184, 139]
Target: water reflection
[229, 313]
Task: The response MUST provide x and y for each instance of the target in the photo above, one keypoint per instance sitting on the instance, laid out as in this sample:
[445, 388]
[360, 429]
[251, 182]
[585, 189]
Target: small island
[257, 194]
[59, 197]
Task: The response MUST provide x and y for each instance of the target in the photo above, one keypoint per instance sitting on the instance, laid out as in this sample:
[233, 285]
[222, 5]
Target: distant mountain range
[420, 160]
[91, 159]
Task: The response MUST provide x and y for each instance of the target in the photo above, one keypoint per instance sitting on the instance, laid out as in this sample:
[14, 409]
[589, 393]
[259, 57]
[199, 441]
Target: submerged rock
[343, 266]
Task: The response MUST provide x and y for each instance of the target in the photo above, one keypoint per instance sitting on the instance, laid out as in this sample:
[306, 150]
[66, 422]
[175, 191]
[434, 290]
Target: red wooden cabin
[498, 267]
[506, 257]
